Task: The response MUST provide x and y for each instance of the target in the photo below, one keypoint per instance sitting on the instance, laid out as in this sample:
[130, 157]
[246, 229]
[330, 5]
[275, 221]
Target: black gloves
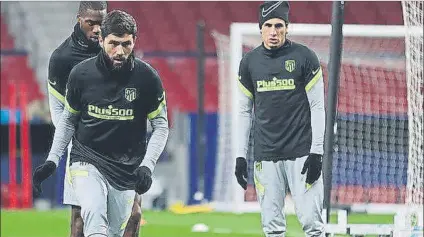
[241, 172]
[41, 173]
[313, 165]
[143, 179]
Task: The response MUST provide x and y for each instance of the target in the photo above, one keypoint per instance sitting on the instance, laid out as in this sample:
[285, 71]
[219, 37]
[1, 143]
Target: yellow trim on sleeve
[67, 106]
[244, 89]
[155, 113]
[55, 93]
[314, 80]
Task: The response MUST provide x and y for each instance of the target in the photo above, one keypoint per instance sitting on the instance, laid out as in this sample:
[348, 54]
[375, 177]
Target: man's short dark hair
[91, 5]
[118, 23]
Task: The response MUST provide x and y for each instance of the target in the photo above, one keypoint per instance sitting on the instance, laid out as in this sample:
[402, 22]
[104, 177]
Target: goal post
[336, 49]
[373, 137]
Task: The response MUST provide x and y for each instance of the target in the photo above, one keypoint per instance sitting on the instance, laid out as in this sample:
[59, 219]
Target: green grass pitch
[159, 224]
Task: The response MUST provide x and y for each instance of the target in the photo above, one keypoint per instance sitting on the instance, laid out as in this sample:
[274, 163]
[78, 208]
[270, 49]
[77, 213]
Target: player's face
[274, 33]
[90, 23]
[118, 48]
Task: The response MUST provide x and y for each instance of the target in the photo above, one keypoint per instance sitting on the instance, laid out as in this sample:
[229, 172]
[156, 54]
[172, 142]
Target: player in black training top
[82, 44]
[282, 81]
[108, 101]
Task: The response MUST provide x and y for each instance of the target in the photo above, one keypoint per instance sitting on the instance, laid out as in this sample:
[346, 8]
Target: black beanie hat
[273, 9]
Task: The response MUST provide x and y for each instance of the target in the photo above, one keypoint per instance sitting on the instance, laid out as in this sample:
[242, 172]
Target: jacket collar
[105, 65]
[81, 41]
[278, 51]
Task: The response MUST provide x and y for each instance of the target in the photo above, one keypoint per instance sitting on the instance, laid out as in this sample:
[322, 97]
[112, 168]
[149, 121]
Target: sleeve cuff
[54, 158]
[149, 163]
[317, 149]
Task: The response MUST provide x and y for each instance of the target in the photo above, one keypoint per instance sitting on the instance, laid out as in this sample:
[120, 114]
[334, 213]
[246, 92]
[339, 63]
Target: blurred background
[371, 152]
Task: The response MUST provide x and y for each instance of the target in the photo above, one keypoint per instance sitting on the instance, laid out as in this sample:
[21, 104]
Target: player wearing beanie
[282, 80]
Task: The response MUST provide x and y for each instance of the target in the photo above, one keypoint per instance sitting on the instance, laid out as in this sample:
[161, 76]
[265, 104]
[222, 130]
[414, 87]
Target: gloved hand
[41, 173]
[143, 179]
[241, 172]
[313, 165]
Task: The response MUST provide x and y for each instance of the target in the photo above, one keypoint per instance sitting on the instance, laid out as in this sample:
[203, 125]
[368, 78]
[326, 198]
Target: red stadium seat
[177, 28]
[6, 38]
[382, 194]
[348, 194]
[351, 194]
[178, 95]
[360, 85]
[15, 70]
[180, 79]
[390, 12]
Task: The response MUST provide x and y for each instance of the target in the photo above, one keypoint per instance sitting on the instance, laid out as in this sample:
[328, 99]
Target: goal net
[413, 17]
[378, 150]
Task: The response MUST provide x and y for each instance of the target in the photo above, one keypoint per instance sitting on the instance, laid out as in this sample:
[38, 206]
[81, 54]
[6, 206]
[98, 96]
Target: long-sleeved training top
[285, 88]
[107, 112]
[72, 51]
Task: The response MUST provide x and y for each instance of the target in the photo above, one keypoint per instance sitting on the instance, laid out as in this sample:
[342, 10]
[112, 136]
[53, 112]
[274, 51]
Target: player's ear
[135, 38]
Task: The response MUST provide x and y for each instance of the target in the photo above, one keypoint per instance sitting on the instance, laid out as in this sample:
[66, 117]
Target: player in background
[283, 81]
[82, 44]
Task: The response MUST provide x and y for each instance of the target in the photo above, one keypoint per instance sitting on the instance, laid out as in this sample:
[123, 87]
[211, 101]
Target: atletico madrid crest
[290, 65]
[130, 94]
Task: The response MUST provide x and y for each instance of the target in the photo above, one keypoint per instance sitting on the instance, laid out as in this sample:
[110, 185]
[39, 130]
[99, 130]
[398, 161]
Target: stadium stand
[170, 27]
[15, 69]
[178, 23]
